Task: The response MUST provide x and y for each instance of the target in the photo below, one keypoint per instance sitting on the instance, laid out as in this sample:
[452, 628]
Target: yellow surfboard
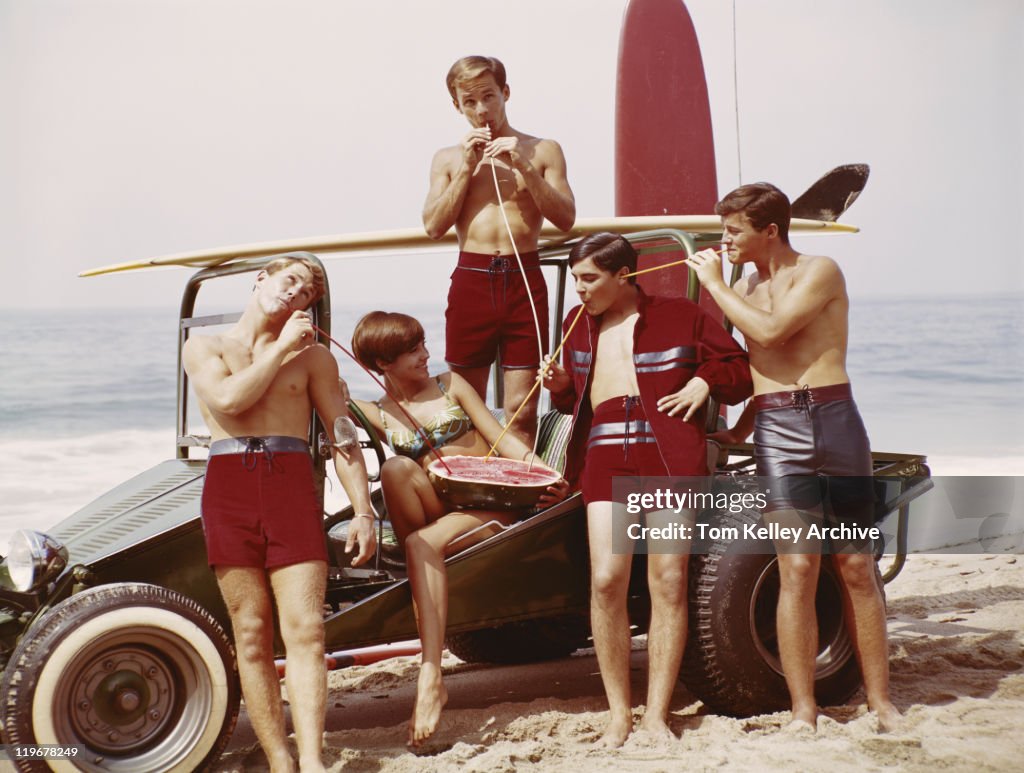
[416, 238]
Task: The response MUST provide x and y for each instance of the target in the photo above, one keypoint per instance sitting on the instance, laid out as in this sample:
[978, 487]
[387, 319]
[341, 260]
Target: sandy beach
[956, 627]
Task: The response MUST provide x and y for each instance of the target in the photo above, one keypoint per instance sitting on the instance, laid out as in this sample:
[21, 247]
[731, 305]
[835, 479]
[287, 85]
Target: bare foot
[804, 714]
[657, 729]
[800, 727]
[616, 733]
[431, 696]
[889, 718]
[311, 765]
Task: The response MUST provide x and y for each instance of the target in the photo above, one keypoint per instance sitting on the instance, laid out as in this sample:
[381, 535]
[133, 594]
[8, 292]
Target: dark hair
[763, 203]
[382, 336]
[319, 283]
[470, 67]
[610, 252]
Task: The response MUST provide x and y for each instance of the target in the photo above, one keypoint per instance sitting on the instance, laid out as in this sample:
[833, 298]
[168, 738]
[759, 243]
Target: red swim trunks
[260, 506]
[621, 443]
[489, 314]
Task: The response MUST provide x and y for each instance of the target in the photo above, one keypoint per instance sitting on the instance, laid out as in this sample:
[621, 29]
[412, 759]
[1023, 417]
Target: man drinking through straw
[637, 374]
[262, 520]
[496, 187]
[809, 438]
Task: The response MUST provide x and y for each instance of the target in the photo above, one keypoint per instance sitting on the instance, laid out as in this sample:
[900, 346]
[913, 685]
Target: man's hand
[361, 529]
[708, 266]
[691, 397]
[554, 493]
[297, 332]
[473, 144]
[553, 376]
[506, 146]
[739, 431]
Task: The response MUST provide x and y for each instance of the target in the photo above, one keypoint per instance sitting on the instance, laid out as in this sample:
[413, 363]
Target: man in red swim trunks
[808, 435]
[488, 311]
[262, 519]
[637, 374]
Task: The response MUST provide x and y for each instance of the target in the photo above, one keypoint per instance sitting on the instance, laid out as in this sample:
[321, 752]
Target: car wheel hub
[123, 700]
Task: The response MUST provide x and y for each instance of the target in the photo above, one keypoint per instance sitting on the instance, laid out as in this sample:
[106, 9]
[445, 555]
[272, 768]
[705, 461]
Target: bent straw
[371, 374]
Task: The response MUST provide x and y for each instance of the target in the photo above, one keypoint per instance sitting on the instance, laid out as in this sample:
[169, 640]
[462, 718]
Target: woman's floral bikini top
[443, 427]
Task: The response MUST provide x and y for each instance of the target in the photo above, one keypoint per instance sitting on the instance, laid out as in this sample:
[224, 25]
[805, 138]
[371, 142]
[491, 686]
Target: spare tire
[732, 657]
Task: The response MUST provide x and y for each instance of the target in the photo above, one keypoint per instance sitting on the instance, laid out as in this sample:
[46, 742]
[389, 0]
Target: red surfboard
[664, 146]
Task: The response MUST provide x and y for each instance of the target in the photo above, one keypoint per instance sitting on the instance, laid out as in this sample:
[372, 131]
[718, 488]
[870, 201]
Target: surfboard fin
[831, 195]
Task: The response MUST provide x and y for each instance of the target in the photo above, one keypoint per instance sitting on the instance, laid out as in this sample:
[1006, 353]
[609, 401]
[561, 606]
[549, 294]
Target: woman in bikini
[457, 422]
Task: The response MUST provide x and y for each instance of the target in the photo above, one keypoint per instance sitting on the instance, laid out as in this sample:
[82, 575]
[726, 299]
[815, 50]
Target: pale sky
[134, 128]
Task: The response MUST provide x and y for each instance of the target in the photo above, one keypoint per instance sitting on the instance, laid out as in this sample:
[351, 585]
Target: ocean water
[87, 397]
[941, 376]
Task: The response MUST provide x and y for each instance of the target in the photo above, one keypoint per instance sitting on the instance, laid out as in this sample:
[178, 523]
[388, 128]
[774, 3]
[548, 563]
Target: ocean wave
[47, 479]
[976, 466]
[1011, 377]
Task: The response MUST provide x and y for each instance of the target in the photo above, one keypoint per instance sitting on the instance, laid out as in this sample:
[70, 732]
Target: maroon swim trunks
[260, 506]
[489, 313]
[621, 443]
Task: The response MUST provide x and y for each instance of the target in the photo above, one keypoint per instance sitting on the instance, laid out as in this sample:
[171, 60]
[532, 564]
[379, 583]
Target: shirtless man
[262, 519]
[488, 310]
[630, 354]
[793, 313]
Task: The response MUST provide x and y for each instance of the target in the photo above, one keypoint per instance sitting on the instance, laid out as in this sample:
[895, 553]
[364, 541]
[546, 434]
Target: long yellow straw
[673, 263]
[536, 384]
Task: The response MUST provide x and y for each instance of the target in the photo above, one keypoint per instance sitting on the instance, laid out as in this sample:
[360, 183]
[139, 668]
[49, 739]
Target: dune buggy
[114, 638]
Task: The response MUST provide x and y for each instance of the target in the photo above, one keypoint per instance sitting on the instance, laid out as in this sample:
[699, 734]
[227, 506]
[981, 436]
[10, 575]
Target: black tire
[138, 677]
[732, 659]
[525, 641]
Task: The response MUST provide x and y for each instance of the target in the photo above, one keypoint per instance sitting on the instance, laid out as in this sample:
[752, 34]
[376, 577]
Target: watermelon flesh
[507, 472]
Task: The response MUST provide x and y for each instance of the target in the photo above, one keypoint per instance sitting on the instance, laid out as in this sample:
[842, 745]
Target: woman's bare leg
[411, 501]
[428, 579]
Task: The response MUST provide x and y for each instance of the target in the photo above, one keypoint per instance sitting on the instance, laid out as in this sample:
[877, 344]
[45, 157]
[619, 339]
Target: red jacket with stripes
[673, 341]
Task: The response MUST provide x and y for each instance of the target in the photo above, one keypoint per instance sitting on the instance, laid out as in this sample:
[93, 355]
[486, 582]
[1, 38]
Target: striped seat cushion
[553, 436]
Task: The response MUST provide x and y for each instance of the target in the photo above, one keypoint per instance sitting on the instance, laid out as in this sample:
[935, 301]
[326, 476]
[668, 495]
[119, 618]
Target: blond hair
[319, 281]
[471, 67]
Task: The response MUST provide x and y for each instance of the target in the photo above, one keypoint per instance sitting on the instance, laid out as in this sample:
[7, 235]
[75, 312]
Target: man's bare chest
[766, 294]
[615, 345]
[291, 379]
[483, 190]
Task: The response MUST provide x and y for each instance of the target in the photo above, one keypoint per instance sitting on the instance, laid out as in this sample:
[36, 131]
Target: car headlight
[35, 559]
